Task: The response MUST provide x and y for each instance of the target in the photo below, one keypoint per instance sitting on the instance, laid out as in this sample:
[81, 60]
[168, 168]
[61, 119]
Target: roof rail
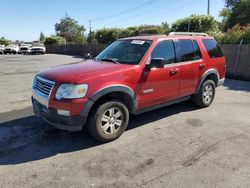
[188, 34]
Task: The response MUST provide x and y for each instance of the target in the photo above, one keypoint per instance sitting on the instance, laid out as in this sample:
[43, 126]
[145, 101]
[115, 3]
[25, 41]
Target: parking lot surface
[176, 146]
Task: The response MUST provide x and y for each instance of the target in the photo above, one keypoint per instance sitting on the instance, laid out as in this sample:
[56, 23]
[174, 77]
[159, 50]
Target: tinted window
[212, 47]
[188, 50]
[197, 51]
[165, 50]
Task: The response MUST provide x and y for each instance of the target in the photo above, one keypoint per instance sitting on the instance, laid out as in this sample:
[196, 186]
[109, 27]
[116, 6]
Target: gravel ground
[176, 146]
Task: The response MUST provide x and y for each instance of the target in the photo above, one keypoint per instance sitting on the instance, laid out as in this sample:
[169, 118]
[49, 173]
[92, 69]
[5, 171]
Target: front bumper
[37, 51]
[10, 51]
[68, 123]
[23, 51]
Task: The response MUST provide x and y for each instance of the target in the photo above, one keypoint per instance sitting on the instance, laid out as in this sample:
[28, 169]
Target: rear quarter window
[212, 48]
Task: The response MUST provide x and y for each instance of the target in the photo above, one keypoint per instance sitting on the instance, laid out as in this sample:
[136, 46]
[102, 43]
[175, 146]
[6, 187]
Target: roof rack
[188, 34]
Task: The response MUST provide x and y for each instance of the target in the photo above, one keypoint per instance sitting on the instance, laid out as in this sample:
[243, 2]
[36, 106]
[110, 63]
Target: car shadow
[25, 138]
[237, 85]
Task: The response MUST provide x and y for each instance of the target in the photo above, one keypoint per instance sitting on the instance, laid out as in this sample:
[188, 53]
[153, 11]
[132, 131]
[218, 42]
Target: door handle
[173, 71]
[201, 66]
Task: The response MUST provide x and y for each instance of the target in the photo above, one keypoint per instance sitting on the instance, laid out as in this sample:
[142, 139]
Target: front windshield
[125, 51]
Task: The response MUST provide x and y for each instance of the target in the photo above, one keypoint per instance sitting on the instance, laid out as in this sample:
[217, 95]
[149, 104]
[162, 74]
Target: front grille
[24, 49]
[43, 85]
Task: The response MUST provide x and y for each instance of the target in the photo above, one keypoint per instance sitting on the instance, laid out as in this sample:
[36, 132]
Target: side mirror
[156, 63]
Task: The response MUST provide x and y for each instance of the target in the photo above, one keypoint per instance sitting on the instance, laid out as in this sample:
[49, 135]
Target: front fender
[104, 91]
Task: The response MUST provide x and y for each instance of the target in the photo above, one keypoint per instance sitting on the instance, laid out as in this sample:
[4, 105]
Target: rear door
[191, 63]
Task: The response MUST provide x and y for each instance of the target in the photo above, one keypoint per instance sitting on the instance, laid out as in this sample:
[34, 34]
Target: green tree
[69, 29]
[4, 41]
[231, 3]
[234, 35]
[196, 23]
[42, 37]
[165, 28]
[235, 12]
[129, 32]
[106, 36]
[57, 40]
[240, 14]
[154, 29]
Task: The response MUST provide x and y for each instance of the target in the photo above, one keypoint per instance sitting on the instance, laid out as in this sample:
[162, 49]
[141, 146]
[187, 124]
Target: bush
[55, 40]
[234, 35]
[196, 23]
[4, 41]
[106, 36]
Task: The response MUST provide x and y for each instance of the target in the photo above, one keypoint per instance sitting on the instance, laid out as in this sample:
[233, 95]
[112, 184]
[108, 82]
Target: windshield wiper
[113, 60]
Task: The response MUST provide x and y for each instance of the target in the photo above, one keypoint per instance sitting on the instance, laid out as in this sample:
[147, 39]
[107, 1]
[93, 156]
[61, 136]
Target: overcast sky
[25, 19]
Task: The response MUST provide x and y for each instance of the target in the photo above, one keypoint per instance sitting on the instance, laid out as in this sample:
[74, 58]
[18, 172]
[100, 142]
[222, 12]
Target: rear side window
[212, 47]
[188, 50]
[165, 50]
[197, 51]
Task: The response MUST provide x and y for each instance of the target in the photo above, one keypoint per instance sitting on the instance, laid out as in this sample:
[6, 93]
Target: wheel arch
[212, 74]
[119, 92]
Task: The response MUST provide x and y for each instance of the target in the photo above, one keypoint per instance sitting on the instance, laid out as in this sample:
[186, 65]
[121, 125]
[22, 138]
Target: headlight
[70, 91]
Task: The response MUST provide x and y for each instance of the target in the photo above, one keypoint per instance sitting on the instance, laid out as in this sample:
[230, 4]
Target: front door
[159, 85]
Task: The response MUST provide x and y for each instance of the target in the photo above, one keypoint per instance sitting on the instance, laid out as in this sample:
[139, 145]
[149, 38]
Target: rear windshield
[212, 47]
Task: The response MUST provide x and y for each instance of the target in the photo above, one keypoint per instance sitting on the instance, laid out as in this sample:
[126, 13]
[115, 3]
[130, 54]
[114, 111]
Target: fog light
[63, 112]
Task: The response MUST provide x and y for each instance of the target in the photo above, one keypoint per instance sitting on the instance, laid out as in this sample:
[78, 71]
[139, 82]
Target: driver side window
[164, 50]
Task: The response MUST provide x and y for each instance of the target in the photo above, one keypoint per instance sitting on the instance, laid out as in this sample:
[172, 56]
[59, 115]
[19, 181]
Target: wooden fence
[238, 61]
[237, 56]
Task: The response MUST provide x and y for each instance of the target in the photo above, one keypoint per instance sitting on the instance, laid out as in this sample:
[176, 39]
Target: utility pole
[90, 28]
[208, 7]
[189, 25]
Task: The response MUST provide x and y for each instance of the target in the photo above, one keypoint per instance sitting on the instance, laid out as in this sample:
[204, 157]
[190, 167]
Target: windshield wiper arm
[110, 60]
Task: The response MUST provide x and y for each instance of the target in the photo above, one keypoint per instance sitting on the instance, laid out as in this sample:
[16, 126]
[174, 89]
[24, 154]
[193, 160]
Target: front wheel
[108, 121]
[205, 96]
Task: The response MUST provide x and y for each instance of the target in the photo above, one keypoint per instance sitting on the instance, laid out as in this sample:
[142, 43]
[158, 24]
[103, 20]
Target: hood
[79, 72]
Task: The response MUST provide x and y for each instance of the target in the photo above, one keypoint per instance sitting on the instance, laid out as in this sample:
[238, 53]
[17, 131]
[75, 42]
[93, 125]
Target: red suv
[131, 76]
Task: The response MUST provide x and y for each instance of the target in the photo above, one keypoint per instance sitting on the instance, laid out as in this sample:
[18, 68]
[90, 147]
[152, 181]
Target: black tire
[101, 119]
[206, 94]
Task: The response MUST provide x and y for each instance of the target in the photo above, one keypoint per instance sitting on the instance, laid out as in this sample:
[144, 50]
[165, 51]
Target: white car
[25, 49]
[38, 49]
[11, 49]
[2, 47]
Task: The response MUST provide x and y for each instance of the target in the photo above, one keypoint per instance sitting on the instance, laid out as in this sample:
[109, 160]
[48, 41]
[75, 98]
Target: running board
[161, 105]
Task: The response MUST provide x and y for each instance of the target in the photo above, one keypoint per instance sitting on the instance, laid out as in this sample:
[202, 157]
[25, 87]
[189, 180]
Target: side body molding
[114, 88]
[204, 76]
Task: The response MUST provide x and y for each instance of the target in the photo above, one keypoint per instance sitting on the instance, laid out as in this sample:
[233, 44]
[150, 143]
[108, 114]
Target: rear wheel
[108, 121]
[205, 96]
